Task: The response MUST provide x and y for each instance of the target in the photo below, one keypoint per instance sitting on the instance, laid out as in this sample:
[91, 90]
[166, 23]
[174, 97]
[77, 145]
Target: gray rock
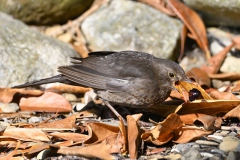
[232, 156]
[26, 54]
[229, 144]
[127, 25]
[45, 12]
[9, 107]
[208, 143]
[217, 12]
[192, 154]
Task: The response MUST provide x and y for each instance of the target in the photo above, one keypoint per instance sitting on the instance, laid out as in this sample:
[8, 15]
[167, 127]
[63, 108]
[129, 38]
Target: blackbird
[128, 78]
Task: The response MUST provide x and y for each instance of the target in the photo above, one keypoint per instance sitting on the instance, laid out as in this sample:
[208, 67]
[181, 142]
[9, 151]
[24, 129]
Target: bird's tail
[59, 78]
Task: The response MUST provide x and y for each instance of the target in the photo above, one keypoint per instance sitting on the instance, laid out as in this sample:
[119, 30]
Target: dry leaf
[48, 102]
[225, 76]
[26, 134]
[189, 86]
[163, 132]
[214, 63]
[235, 112]
[100, 151]
[193, 22]
[67, 123]
[133, 135]
[75, 137]
[65, 88]
[210, 107]
[199, 76]
[223, 95]
[187, 134]
[6, 94]
[11, 154]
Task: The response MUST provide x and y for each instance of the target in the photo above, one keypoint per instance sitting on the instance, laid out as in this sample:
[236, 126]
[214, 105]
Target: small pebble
[192, 154]
[231, 156]
[219, 151]
[229, 144]
[9, 107]
[70, 97]
[209, 143]
[206, 154]
[34, 119]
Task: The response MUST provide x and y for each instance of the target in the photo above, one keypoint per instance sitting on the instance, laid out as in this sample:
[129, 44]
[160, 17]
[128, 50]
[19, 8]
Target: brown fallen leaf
[209, 107]
[235, 112]
[182, 85]
[100, 151]
[67, 123]
[187, 134]
[26, 134]
[133, 130]
[6, 94]
[65, 88]
[223, 95]
[75, 137]
[163, 132]
[214, 63]
[10, 155]
[193, 22]
[199, 76]
[100, 131]
[48, 102]
[225, 76]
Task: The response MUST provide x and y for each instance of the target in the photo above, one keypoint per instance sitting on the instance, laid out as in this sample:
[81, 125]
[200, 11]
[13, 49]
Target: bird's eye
[171, 74]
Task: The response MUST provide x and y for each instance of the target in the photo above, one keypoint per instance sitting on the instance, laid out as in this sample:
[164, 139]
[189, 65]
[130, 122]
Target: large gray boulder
[45, 12]
[217, 12]
[26, 54]
[128, 25]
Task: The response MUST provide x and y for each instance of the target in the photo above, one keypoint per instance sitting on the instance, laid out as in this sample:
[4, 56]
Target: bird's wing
[119, 64]
[113, 71]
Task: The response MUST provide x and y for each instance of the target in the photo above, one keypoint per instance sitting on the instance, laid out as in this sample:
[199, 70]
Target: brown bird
[128, 78]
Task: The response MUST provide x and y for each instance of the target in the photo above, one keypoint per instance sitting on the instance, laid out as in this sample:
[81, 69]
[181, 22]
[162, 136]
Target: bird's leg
[114, 111]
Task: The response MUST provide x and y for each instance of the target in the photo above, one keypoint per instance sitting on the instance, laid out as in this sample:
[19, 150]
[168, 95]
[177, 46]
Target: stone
[192, 154]
[26, 54]
[128, 25]
[209, 143]
[217, 12]
[42, 12]
[229, 144]
[232, 156]
[8, 107]
[173, 156]
[70, 97]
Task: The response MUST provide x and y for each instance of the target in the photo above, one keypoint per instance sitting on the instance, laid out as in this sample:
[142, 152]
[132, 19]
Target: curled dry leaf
[65, 88]
[214, 63]
[11, 154]
[235, 112]
[67, 123]
[100, 151]
[163, 132]
[199, 76]
[223, 95]
[209, 107]
[187, 134]
[209, 122]
[193, 23]
[48, 102]
[75, 137]
[133, 135]
[225, 76]
[26, 134]
[6, 94]
[182, 85]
